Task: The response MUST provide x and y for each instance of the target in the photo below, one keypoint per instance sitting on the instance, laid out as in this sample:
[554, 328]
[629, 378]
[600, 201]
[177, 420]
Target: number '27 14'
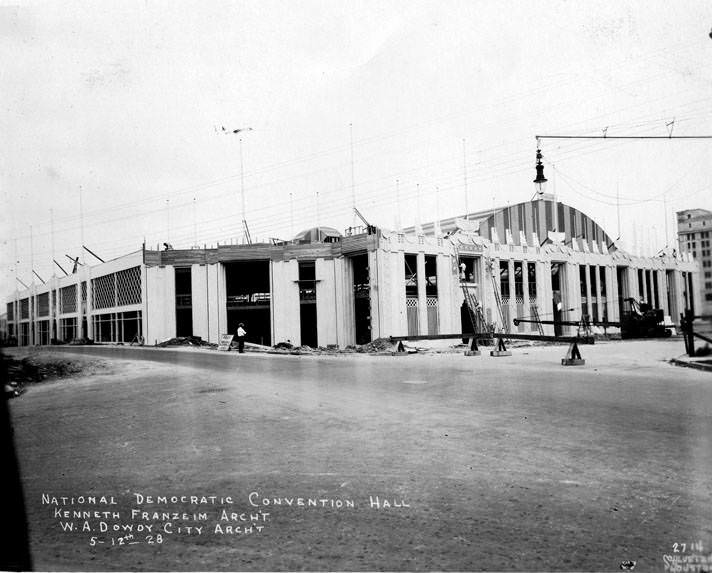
[684, 547]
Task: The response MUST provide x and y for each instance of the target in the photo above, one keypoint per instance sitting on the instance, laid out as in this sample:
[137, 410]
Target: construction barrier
[501, 349]
[573, 356]
[474, 350]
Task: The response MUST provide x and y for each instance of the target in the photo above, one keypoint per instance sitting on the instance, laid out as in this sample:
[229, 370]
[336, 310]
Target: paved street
[486, 463]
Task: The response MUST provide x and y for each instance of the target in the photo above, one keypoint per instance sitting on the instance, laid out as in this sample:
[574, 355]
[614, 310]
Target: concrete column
[525, 297]
[696, 292]
[374, 291]
[496, 281]
[633, 283]
[446, 307]
[422, 302]
[399, 320]
[662, 291]
[512, 295]
[80, 312]
[344, 284]
[326, 316]
[145, 303]
[221, 299]
[161, 308]
[544, 294]
[387, 314]
[284, 304]
[199, 300]
[612, 294]
[681, 303]
[590, 290]
[674, 307]
[596, 287]
[484, 291]
[33, 315]
[90, 307]
[571, 296]
[50, 294]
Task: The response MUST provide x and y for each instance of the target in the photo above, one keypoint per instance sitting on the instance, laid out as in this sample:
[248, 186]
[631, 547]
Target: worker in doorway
[241, 333]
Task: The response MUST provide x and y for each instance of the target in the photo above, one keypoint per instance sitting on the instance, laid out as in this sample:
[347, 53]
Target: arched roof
[538, 216]
[541, 216]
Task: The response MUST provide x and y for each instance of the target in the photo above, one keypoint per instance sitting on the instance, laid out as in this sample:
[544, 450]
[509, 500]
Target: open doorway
[248, 297]
[362, 298]
[307, 303]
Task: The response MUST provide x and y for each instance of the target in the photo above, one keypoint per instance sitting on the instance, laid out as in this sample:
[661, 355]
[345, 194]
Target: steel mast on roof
[245, 229]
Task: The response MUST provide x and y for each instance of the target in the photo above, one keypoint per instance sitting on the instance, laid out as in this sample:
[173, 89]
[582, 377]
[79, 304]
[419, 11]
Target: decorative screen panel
[25, 308]
[10, 311]
[128, 286]
[43, 304]
[432, 305]
[68, 299]
[103, 292]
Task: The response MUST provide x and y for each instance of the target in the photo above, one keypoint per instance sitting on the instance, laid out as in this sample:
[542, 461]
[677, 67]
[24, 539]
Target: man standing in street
[241, 333]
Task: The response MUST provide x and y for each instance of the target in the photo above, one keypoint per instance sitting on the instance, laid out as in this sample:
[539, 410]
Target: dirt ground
[487, 463]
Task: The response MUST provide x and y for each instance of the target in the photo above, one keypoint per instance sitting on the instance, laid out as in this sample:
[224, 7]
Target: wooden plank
[481, 335]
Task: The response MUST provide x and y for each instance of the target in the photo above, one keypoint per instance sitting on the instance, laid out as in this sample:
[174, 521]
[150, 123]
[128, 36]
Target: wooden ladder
[535, 314]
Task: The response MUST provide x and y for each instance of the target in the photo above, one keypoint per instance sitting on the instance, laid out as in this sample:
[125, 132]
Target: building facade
[539, 258]
[694, 227]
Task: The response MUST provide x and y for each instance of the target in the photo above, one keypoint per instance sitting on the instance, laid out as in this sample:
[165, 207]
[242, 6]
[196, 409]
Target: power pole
[464, 175]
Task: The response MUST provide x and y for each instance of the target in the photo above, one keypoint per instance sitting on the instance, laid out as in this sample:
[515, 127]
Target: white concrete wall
[160, 304]
[344, 286]
[393, 313]
[200, 293]
[327, 313]
[659, 276]
[447, 312]
[612, 294]
[571, 296]
[285, 302]
[217, 302]
[545, 295]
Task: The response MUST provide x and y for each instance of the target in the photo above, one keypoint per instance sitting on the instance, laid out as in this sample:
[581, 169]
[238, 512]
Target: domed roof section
[533, 220]
[318, 235]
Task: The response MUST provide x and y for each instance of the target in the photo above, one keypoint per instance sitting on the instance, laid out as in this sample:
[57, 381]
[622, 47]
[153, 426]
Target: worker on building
[241, 333]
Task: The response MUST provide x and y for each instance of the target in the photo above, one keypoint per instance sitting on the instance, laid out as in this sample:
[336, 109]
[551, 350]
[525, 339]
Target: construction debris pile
[378, 345]
[186, 341]
[19, 372]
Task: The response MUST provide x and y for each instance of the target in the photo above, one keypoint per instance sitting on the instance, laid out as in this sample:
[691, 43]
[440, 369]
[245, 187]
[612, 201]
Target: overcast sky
[126, 101]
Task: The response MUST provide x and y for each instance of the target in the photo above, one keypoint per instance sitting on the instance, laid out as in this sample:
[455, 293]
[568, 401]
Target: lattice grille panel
[68, 299]
[10, 311]
[103, 292]
[128, 286]
[431, 301]
[411, 302]
[43, 304]
[25, 308]
[84, 291]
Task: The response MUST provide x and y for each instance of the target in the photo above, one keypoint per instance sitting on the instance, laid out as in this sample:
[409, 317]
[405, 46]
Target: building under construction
[541, 260]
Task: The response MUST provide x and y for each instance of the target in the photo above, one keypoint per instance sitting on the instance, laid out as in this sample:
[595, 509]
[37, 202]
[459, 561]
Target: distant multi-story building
[694, 233]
